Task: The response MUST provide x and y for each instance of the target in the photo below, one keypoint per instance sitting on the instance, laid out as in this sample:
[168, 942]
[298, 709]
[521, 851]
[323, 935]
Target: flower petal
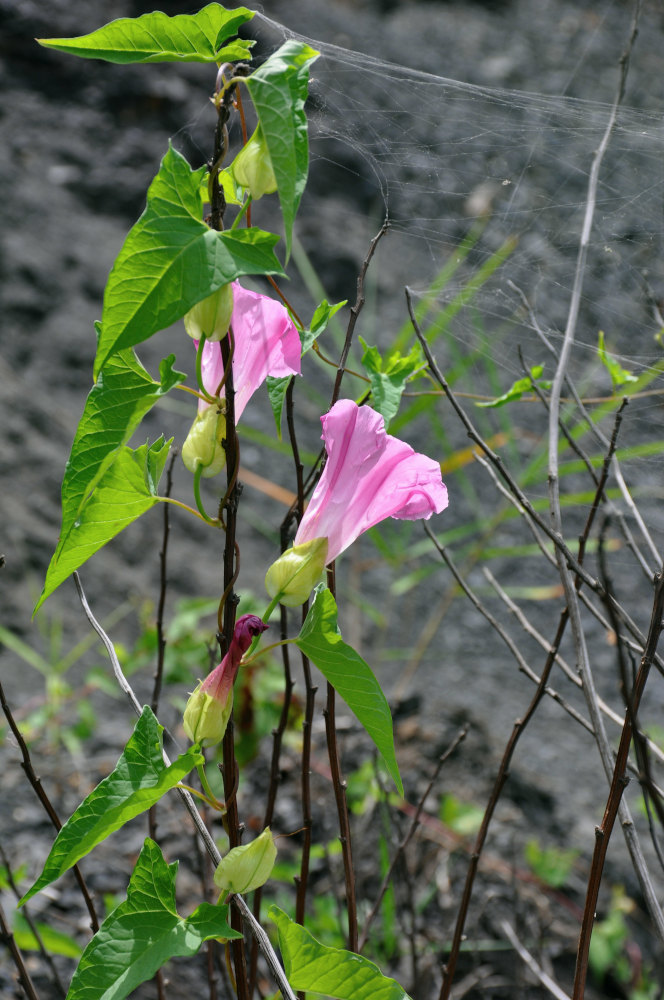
[369, 476]
[266, 343]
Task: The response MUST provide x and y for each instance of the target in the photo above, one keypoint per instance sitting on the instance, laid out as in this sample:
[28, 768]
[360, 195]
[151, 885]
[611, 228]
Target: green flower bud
[296, 572]
[247, 867]
[206, 717]
[212, 316]
[203, 445]
[252, 167]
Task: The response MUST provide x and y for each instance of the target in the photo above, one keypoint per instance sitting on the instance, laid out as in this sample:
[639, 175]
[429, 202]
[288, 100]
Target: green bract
[252, 167]
[212, 316]
[296, 572]
[248, 867]
[204, 443]
[206, 718]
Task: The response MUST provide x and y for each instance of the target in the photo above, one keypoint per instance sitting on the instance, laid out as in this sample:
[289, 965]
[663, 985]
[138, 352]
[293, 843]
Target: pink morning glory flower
[368, 476]
[266, 343]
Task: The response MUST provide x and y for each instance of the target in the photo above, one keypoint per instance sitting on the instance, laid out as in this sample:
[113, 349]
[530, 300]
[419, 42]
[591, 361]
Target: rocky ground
[81, 143]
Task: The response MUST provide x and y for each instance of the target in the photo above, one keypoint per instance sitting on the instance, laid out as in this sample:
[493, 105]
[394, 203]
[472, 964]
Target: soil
[81, 143]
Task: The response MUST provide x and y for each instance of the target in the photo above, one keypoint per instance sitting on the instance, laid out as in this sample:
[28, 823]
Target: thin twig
[31, 923]
[618, 783]
[356, 310]
[410, 833]
[530, 629]
[498, 785]
[539, 973]
[7, 938]
[38, 788]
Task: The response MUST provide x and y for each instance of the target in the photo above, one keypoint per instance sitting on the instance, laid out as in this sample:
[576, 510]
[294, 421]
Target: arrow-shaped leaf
[348, 673]
[125, 491]
[115, 406]
[389, 375]
[159, 38]
[139, 779]
[144, 932]
[279, 89]
[171, 260]
[313, 967]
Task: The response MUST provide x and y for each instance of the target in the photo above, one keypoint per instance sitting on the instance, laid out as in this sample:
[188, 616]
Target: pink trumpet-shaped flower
[209, 707]
[266, 342]
[369, 476]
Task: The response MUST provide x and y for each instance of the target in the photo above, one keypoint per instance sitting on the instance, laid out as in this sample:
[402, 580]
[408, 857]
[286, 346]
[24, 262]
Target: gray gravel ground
[81, 142]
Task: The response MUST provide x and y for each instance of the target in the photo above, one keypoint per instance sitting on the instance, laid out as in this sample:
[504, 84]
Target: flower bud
[212, 316]
[252, 167]
[247, 867]
[209, 707]
[296, 572]
[203, 445]
[206, 717]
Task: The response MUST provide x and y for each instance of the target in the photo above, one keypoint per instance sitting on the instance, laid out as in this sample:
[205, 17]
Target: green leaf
[388, 376]
[276, 390]
[619, 375]
[117, 403]
[144, 932]
[279, 89]
[518, 388]
[55, 942]
[159, 38]
[348, 673]
[127, 489]
[332, 972]
[139, 779]
[321, 317]
[171, 260]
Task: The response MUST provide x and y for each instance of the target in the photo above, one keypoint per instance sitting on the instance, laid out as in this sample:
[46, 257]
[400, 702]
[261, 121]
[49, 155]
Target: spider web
[447, 161]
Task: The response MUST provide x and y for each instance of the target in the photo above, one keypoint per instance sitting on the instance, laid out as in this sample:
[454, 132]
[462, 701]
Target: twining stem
[199, 370]
[199, 500]
[228, 507]
[159, 671]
